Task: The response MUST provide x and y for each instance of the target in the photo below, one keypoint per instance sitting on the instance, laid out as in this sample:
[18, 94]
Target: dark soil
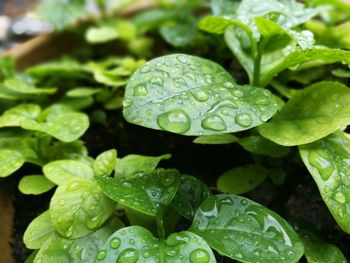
[297, 200]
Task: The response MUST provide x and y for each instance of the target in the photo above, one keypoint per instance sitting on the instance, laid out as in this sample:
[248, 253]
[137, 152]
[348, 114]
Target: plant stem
[160, 225]
[257, 62]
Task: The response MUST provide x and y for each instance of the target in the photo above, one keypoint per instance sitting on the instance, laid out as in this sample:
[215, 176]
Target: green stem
[160, 225]
[257, 62]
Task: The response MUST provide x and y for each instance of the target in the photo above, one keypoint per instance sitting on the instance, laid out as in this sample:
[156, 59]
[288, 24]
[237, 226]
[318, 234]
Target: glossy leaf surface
[311, 114]
[246, 231]
[193, 96]
[260, 145]
[105, 163]
[61, 171]
[38, 231]
[79, 207]
[35, 184]
[137, 244]
[147, 193]
[216, 139]
[241, 179]
[10, 161]
[328, 162]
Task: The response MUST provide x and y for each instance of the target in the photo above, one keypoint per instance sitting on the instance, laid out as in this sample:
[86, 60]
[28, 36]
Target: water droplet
[127, 102]
[339, 197]
[237, 93]
[69, 232]
[145, 69]
[101, 255]
[168, 179]
[264, 118]
[62, 202]
[200, 95]
[171, 253]
[92, 206]
[214, 123]
[244, 120]
[182, 58]
[244, 202]
[129, 255]
[176, 121]
[209, 208]
[115, 243]
[229, 85]
[94, 222]
[157, 81]
[199, 256]
[73, 186]
[126, 184]
[140, 90]
[318, 160]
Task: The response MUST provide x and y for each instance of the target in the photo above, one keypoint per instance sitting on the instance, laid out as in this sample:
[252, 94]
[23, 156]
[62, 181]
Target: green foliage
[35, 184]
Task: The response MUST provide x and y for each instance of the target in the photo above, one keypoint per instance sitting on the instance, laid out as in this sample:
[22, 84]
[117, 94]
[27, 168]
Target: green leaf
[10, 162]
[31, 257]
[137, 244]
[310, 115]
[341, 73]
[65, 66]
[101, 34]
[300, 58]
[134, 163]
[216, 139]
[193, 96]
[17, 115]
[317, 250]
[105, 163]
[20, 87]
[61, 171]
[147, 193]
[242, 179]
[35, 184]
[246, 231]
[179, 34]
[191, 193]
[259, 145]
[79, 207]
[224, 7]
[328, 162]
[38, 231]
[82, 250]
[215, 24]
[82, 92]
[60, 13]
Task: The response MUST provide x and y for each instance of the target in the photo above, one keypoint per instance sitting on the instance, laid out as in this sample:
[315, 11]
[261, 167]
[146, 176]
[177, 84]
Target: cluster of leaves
[109, 209]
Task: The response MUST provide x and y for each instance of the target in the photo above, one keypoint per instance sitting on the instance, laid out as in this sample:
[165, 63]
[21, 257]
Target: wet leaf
[19, 87]
[105, 163]
[328, 162]
[38, 231]
[216, 139]
[190, 194]
[35, 184]
[137, 244]
[82, 250]
[10, 162]
[310, 115]
[79, 207]
[259, 145]
[146, 193]
[134, 163]
[193, 96]
[246, 231]
[61, 171]
[17, 115]
[242, 179]
[317, 250]
[82, 92]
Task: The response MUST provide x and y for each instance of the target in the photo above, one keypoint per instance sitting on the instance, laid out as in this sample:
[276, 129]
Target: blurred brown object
[15, 8]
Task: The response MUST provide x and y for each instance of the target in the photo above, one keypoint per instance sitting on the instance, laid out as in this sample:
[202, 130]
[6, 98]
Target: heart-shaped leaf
[146, 193]
[242, 179]
[61, 171]
[193, 96]
[311, 114]
[246, 231]
[328, 162]
[38, 231]
[35, 184]
[105, 163]
[133, 163]
[79, 207]
[10, 161]
[137, 244]
[81, 250]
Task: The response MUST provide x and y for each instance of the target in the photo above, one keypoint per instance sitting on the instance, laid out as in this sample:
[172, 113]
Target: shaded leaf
[35, 184]
[216, 139]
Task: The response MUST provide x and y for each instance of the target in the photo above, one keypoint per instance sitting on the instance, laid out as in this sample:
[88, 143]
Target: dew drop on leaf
[200, 95]
[129, 255]
[127, 102]
[101, 255]
[176, 121]
[324, 167]
[199, 256]
[214, 123]
[69, 232]
[339, 197]
[62, 202]
[115, 243]
[157, 81]
[244, 120]
[140, 90]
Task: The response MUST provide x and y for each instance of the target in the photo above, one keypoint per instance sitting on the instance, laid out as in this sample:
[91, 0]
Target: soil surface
[297, 199]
